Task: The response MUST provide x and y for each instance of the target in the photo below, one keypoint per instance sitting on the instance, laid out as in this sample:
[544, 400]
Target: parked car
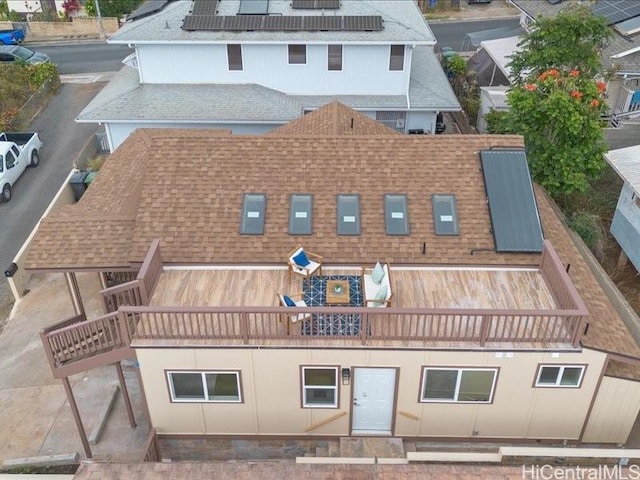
[11, 37]
[14, 53]
[17, 152]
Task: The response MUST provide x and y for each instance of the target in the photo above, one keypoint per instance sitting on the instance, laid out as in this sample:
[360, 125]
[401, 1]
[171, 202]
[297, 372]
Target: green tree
[111, 8]
[559, 114]
[573, 40]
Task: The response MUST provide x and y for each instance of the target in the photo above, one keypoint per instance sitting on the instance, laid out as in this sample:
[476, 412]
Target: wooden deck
[412, 288]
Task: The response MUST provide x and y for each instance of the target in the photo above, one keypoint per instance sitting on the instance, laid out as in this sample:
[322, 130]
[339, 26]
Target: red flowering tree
[559, 114]
[70, 7]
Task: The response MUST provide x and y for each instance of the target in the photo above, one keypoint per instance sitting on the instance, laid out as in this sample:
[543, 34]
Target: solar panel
[300, 214]
[147, 8]
[204, 7]
[348, 213]
[362, 23]
[628, 27]
[203, 22]
[316, 4]
[616, 11]
[253, 210]
[284, 23]
[315, 23]
[445, 214]
[253, 7]
[396, 215]
[512, 204]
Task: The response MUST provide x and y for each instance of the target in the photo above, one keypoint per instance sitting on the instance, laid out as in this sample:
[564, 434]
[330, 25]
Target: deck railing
[252, 325]
[152, 448]
[140, 290]
[78, 338]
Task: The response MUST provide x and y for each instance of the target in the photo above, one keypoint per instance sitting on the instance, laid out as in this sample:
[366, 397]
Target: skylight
[253, 210]
[445, 214]
[300, 214]
[396, 216]
[348, 209]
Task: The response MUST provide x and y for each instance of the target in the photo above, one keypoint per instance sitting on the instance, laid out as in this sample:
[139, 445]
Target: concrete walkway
[35, 418]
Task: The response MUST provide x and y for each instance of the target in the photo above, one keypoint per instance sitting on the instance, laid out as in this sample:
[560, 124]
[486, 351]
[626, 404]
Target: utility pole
[100, 26]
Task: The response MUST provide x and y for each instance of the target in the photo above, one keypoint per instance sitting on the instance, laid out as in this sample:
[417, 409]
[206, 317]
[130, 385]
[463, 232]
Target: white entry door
[373, 396]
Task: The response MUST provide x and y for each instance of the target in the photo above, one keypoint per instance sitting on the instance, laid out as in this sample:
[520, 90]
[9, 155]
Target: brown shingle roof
[335, 119]
[186, 188]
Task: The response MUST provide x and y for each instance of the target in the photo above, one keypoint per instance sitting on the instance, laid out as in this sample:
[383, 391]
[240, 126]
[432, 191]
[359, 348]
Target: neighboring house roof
[403, 23]
[335, 119]
[186, 188]
[125, 99]
[626, 162]
[618, 43]
[497, 96]
[500, 51]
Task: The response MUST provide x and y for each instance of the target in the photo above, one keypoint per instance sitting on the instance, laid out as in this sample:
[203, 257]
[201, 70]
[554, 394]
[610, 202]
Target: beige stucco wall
[271, 392]
[614, 411]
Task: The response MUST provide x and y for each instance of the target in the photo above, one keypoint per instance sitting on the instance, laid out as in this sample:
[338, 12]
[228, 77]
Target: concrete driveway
[62, 139]
[35, 418]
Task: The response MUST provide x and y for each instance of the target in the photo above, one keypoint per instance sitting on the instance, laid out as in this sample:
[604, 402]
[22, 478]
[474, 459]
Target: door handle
[355, 404]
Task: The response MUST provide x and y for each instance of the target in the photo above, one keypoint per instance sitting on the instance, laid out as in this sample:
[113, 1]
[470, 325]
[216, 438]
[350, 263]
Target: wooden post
[125, 395]
[76, 417]
[74, 292]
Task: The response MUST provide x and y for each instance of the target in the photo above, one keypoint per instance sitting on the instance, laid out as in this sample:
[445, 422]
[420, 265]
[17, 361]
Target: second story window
[234, 56]
[335, 57]
[396, 59]
[297, 54]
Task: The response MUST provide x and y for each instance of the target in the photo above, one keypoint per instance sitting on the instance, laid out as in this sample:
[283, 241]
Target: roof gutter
[220, 122]
[266, 42]
[626, 52]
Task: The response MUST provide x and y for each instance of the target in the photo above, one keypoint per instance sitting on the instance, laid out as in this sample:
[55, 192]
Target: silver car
[14, 53]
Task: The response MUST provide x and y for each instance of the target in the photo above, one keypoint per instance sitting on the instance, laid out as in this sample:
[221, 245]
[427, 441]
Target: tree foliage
[559, 114]
[111, 8]
[573, 40]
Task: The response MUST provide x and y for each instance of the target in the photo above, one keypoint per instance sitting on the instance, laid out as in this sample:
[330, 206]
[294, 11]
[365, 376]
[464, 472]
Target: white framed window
[297, 54]
[396, 57]
[234, 56]
[461, 385]
[209, 386]
[334, 57]
[564, 376]
[319, 387]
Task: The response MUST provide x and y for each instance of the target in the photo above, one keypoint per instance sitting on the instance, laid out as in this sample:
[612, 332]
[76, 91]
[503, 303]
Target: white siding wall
[424, 120]
[118, 132]
[365, 68]
[625, 225]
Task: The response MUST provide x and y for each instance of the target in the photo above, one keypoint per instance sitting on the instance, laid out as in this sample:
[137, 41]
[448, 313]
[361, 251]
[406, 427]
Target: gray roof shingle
[403, 22]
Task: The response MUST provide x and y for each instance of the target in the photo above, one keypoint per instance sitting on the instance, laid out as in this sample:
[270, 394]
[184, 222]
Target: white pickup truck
[17, 152]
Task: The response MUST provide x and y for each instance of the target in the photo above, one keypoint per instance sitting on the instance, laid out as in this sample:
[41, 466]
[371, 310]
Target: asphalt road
[451, 34]
[86, 57]
[62, 140]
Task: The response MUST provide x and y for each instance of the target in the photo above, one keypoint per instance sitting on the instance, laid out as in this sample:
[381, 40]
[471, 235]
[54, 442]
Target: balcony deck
[504, 289]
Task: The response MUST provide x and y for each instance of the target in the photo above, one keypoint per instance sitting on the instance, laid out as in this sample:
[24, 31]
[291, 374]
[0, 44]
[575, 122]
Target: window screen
[396, 59]
[234, 56]
[319, 387]
[335, 57]
[297, 54]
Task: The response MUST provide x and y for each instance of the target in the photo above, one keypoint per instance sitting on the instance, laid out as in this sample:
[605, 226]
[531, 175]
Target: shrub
[456, 65]
[41, 72]
[95, 164]
[590, 229]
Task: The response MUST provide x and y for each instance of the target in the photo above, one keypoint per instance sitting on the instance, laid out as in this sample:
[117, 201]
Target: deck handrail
[124, 294]
[422, 324]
